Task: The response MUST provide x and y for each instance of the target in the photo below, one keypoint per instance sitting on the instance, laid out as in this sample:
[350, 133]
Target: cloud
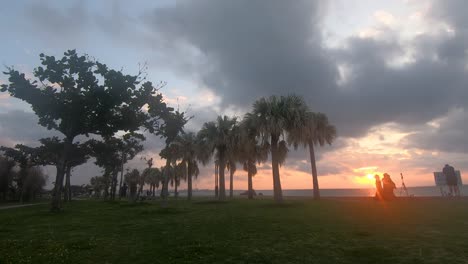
[22, 127]
[446, 134]
[277, 48]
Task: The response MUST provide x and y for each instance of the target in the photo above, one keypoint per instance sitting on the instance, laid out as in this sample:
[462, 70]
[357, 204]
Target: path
[17, 205]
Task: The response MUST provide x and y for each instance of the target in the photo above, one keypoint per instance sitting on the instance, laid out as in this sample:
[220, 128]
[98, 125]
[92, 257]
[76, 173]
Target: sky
[391, 75]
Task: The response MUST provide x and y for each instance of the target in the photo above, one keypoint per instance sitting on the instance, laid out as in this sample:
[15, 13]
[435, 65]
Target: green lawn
[239, 231]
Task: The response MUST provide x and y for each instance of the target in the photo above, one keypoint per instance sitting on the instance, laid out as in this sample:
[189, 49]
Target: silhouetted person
[452, 181]
[378, 188]
[387, 187]
[123, 191]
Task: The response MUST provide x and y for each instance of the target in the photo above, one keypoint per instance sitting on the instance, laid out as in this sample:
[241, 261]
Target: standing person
[388, 186]
[452, 181]
[378, 188]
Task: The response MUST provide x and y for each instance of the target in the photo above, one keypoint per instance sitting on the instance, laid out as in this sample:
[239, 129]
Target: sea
[423, 191]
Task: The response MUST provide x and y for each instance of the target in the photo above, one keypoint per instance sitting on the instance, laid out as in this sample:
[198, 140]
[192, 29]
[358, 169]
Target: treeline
[79, 96]
[19, 182]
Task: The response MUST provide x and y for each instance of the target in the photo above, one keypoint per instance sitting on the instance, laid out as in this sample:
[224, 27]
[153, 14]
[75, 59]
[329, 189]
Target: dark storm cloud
[448, 136]
[277, 48]
[246, 50]
[57, 23]
[252, 48]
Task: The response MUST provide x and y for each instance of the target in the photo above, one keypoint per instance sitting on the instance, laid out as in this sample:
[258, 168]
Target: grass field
[239, 231]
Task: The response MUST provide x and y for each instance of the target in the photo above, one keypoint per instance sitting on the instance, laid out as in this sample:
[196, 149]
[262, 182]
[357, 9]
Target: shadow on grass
[370, 254]
[135, 204]
[208, 202]
[162, 211]
[282, 205]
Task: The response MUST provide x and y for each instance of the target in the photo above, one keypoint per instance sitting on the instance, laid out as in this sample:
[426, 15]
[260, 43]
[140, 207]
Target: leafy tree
[29, 180]
[7, 174]
[34, 181]
[214, 137]
[76, 95]
[274, 116]
[130, 147]
[98, 184]
[25, 157]
[316, 131]
[112, 153]
[132, 179]
[49, 153]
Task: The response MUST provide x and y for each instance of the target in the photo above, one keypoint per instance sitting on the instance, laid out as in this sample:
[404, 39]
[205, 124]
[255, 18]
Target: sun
[370, 176]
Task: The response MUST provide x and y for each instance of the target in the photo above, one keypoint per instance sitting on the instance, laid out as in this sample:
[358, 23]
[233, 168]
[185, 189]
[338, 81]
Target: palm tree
[232, 156]
[316, 131]
[153, 178]
[132, 179]
[214, 138]
[275, 116]
[188, 152]
[250, 150]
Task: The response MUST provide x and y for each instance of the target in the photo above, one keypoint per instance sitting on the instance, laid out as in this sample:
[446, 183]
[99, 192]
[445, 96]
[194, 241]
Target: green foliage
[239, 231]
[214, 137]
[77, 95]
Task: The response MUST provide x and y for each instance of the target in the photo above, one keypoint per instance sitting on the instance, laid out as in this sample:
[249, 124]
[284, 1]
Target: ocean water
[424, 191]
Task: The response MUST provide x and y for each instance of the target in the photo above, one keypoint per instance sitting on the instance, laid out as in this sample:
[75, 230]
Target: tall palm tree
[232, 155]
[316, 131]
[214, 137]
[275, 116]
[188, 152]
[216, 178]
[152, 177]
[251, 151]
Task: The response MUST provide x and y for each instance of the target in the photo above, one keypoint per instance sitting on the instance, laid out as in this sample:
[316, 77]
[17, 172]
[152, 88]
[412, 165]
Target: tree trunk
[189, 181]
[114, 184]
[231, 185]
[66, 192]
[165, 185]
[176, 194]
[216, 180]
[277, 192]
[57, 192]
[250, 185]
[121, 176]
[314, 171]
[222, 186]
[69, 185]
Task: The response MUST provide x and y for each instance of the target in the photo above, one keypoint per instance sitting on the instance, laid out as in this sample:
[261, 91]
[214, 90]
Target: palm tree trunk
[57, 193]
[250, 187]
[277, 191]
[222, 187]
[314, 171]
[176, 194]
[165, 185]
[189, 181]
[216, 179]
[231, 186]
